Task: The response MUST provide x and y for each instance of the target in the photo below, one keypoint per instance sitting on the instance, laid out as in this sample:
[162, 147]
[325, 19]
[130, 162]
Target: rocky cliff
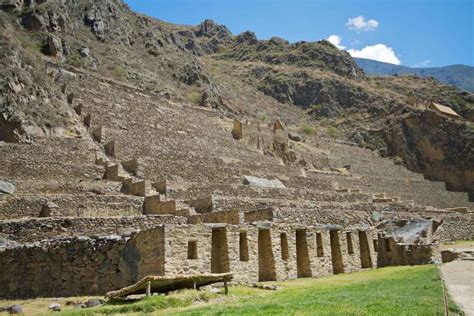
[442, 149]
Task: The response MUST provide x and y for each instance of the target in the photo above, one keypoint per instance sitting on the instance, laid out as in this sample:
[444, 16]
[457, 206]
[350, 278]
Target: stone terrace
[158, 188]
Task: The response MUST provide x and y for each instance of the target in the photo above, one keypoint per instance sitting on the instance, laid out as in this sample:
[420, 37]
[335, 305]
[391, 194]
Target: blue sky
[426, 33]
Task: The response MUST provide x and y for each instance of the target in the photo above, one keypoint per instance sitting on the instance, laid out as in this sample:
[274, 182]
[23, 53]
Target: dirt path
[459, 279]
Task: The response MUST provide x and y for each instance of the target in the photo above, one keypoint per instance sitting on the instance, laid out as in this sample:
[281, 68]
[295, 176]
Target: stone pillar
[109, 149]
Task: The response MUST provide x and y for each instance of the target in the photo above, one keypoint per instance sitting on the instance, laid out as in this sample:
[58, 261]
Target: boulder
[263, 183]
[85, 51]
[16, 309]
[54, 46]
[7, 187]
[48, 209]
[93, 302]
[11, 5]
[449, 255]
[54, 307]
[34, 22]
[295, 137]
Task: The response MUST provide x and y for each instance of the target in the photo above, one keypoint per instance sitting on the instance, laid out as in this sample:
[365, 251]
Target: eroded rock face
[440, 148]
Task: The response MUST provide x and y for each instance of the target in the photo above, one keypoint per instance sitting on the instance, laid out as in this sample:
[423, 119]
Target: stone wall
[43, 228]
[228, 217]
[392, 254]
[260, 255]
[80, 265]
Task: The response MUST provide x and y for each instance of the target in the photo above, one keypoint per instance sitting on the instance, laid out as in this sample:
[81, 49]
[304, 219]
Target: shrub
[120, 73]
[326, 122]
[308, 129]
[194, 97]
[315, 107]
[470, 126]
[333, 131]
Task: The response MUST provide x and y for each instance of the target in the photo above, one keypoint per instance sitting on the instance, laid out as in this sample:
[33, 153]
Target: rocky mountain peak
[209, 28]
[247, 37]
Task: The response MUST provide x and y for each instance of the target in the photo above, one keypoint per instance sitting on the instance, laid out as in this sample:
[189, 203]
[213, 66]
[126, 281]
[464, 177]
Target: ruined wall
[392, 254]
[272, 252]
[80, 265]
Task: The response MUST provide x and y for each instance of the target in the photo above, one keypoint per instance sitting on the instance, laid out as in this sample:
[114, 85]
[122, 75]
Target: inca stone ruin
[144, 184]
[111, 226]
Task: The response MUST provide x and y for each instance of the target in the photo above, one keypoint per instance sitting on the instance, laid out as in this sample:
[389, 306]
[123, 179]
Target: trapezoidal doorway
[303, 264]
[219, 252]
[266, 261]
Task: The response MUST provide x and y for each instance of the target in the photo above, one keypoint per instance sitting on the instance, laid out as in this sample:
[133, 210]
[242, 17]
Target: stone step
[27, 206]
[422, 192]
[25, 170]
[64, 186]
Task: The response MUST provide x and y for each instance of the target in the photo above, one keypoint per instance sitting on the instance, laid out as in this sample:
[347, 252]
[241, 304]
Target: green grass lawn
[387, 291]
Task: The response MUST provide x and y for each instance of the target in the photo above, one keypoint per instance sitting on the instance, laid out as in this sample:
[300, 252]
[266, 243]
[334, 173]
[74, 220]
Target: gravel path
[459, 279]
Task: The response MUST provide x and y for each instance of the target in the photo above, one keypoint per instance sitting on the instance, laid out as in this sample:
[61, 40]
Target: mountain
[240, 76]
[460, 76]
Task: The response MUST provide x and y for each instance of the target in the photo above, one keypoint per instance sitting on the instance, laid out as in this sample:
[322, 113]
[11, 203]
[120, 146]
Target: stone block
[202, 205]
[112, 173]
[134, 188]
[87, 120]
[160, 186]
[131, 166]
[78, 110]
[70, 97]
[153, 206]
[97, 134]
[109, 149]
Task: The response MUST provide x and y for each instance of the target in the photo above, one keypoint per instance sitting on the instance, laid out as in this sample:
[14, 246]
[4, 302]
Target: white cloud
[360, 24]
[379, 52]
[336, 41]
